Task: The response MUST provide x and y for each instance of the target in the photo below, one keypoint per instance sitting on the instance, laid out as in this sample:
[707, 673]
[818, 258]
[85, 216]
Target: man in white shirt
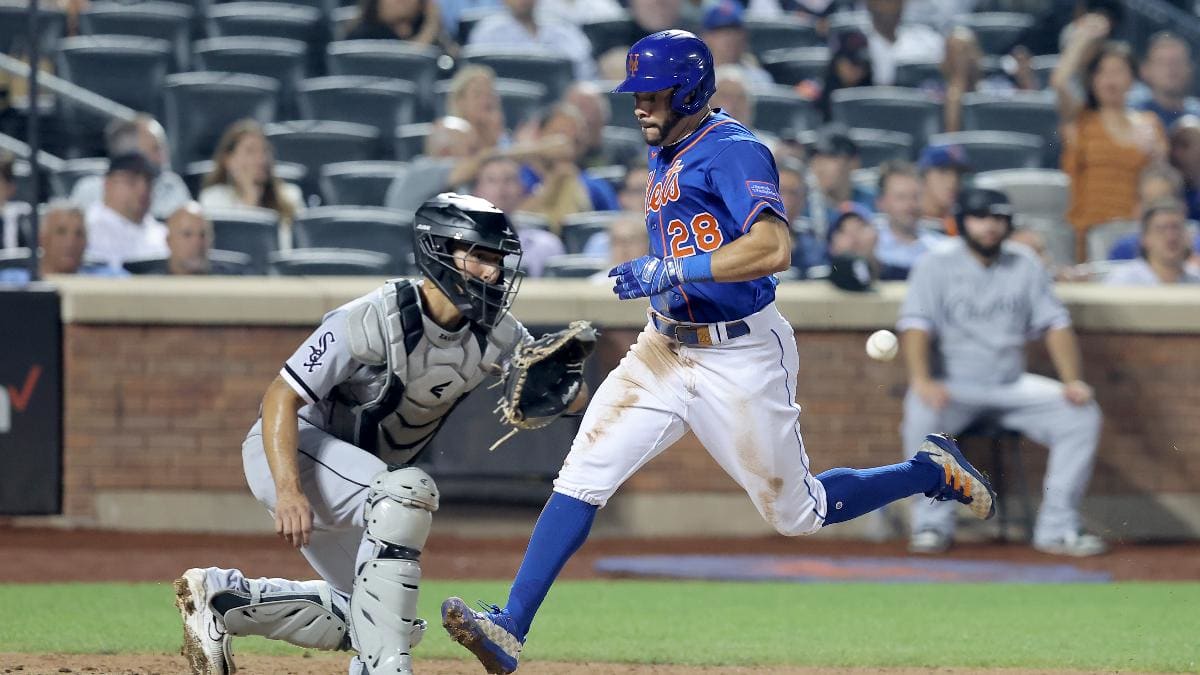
[901, 240]
[145, 135]
[1165, 244]
[518, 27]
[121, 228]
[891, 42]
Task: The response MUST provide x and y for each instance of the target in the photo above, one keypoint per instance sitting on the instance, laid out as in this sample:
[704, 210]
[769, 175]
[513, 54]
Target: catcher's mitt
[544, 376]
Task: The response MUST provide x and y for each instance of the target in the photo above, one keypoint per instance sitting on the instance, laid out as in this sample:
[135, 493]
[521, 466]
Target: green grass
[1127, 626]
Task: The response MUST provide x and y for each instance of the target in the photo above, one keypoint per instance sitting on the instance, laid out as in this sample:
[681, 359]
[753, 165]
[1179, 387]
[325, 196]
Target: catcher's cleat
[960, 481]
[490, 635]
[206, 645]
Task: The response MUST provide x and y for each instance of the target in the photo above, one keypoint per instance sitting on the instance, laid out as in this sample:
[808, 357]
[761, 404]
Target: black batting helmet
[975, 201]
[449, 223]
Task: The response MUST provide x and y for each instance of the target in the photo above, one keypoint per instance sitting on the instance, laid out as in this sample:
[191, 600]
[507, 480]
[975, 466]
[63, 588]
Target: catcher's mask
[450, 223]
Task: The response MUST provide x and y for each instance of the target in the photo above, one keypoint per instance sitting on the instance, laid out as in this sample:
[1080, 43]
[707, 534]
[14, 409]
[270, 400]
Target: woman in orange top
[1105, 145]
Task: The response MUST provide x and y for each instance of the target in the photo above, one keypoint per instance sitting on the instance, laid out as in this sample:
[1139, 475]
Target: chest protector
[415, 372]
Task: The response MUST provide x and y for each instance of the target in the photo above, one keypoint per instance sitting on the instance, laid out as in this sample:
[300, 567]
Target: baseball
[882, 345]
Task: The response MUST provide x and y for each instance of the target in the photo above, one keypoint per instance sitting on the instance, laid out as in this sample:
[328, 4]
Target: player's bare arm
[1064, 352]
[293, 514]
[915, 345]
[765, 249]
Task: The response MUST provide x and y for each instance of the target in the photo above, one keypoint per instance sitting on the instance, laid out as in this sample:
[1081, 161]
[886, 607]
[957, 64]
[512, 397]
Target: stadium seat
[273, 19]
[1043, 66]
[621, 146]
[373, 101]
[781, 111]
[779, 32]
[253, 232]
[845, 22]
[1100, 238]
[199, 106]
[360, 228]
[998, 32]
[343, 20]
[129, 70]
[520, 100]
[917, 73]
[1041, 193]
[232, 262]
[525, 220]
[330, 262]
[315, 143]
[388, 58]
[278, 58]
[63, 180]
[359, 183]
[577, 228]
[1058, 235]
[875, 146]
[11, 258]
[613, 174]
[195, 173]
[606, 34]
[995, 150]
[553, 71]
[792, 66]
[14, 22]
[573, 266]
[409, 141]
[1025, 112]
[621, 106]
[163, 20]
[891, 108]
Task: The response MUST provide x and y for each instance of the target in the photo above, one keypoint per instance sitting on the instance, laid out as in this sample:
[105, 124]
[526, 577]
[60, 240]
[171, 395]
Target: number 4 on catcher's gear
[544, 377]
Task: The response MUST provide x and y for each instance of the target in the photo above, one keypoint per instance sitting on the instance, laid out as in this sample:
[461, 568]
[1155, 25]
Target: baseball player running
[331, 454]
[715, 357]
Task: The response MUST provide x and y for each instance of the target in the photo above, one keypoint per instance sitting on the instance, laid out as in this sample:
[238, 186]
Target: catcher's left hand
[544, 376]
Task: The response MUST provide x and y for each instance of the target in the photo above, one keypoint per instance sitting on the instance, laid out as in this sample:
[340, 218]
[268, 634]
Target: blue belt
[699, 334]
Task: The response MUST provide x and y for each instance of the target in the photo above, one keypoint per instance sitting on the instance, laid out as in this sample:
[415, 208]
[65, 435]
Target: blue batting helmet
[671, 59]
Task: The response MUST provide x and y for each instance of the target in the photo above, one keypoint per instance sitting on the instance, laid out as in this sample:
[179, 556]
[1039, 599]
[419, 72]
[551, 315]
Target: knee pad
[305, 619]
[383, 608]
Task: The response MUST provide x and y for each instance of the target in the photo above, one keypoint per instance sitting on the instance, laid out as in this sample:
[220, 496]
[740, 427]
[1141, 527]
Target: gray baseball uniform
[979, 319]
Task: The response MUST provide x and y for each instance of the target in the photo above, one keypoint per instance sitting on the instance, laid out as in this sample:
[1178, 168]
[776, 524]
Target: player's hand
[1078, 392]
[293, 518]
[645, 276]
[933, 393]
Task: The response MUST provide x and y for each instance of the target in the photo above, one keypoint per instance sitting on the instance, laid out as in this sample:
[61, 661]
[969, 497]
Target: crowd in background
[1129, 133]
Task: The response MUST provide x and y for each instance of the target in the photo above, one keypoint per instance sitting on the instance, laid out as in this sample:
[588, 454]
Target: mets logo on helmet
[631, 63]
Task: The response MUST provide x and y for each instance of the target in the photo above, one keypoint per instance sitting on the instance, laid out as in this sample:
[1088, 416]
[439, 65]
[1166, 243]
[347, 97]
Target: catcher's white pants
[738, 397]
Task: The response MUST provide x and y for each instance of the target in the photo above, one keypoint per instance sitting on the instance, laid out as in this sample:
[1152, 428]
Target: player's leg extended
[932, 523]
[383, 609]
[632, 417]
[1036, 407]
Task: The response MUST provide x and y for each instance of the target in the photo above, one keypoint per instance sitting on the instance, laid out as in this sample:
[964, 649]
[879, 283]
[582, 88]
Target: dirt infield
[53, 664]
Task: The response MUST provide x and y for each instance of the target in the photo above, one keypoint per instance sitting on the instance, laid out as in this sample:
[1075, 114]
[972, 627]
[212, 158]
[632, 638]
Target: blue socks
[560, 531]
[852, 492]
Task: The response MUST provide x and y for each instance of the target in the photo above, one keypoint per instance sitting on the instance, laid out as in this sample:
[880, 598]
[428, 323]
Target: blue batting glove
[645, 276]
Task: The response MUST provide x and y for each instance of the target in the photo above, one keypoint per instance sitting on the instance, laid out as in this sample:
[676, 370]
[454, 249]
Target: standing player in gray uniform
[331, 455]
[972, 304]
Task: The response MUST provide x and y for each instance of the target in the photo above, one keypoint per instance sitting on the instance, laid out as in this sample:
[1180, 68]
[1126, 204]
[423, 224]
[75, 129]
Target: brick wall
[166, 407]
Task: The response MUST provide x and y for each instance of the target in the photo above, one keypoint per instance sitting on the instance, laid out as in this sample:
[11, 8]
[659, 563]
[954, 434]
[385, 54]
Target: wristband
[696, 268]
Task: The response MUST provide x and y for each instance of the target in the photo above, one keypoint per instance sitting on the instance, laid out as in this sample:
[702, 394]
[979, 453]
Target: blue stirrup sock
[560, 531]
[849, 493]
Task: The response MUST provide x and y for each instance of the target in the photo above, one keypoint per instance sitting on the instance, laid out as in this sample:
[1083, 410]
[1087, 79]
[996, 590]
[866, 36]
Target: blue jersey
[702, 193]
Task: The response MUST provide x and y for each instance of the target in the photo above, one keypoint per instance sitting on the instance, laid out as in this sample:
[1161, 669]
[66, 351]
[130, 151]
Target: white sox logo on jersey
[318, 350]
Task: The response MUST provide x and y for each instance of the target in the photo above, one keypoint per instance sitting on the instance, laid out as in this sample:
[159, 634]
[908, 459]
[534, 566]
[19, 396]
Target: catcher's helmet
[451, 222]
[981, 202]
[671, 59]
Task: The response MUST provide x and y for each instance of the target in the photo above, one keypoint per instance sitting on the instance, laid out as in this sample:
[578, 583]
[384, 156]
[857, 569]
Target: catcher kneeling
[350, 411]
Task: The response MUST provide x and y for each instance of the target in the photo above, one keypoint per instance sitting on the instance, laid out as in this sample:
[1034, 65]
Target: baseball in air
[883, 345]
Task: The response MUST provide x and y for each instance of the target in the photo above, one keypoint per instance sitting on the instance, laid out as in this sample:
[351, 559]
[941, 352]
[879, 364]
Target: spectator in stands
[62, 241]
[145, 135]
[808, 247]
[451, 158]
[416, 21]
[651, 16]
[962, 74]
[499, 181]
[891, 42]
[849, 66]
[552, 173]
[578, 11]
[942, 168]
[852, 241]
[734, 94]
[625, 239]
[11, 212]
[632, 197]
[901, 239]
[611, 64]
[1165, 248]
[452, 12]
[833, 158]
[121, 228]
[970, 309]
[597, 113]
[725, 35]
[243, 175]
[520, 27]
[1167, 72]
[1158, 183]
[473, 97]
[1105, 145]
[1185, 156]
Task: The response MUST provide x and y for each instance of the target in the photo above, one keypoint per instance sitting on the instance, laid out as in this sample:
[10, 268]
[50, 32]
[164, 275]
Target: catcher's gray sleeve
[322, 362]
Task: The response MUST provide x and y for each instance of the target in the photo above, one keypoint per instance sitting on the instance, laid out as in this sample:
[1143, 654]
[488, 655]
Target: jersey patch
[761, 189]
